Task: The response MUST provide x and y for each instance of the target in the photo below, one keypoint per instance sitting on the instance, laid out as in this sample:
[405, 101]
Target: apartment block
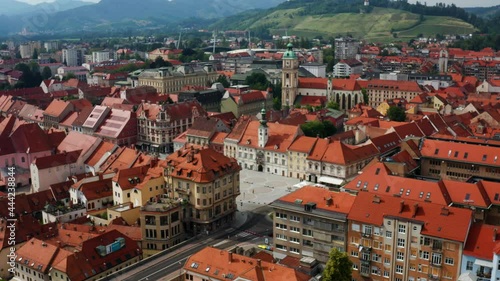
[459, 161]
[395, 239]
[310, 222]
[207, 182]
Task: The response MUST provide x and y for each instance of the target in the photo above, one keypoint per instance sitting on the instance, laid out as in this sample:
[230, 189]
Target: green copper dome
[289, 54]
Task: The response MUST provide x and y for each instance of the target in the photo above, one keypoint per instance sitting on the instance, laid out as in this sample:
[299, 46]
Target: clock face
[287, 63]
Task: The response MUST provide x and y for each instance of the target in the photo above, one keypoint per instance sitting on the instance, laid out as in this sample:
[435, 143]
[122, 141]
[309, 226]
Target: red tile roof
[378, 179]
[437, 220]
[57, 160]
[405, 86]
[213, 263]
[200, 164]
[482, 239]
[280, 136]
[478, 154]
[303, 144]
[56, 108]
[341, 201]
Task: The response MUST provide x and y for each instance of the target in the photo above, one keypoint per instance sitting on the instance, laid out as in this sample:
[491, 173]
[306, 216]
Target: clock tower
[290, 77]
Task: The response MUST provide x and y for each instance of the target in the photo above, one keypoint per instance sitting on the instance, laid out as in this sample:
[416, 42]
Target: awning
[484, 263]
[139, 143]
[155, 145]
[330, 180]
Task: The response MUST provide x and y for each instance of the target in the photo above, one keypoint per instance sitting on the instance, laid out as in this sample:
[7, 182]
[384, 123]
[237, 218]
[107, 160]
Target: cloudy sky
[459, 3]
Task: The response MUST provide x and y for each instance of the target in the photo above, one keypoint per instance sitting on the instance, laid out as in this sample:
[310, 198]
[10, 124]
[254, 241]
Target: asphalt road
[257, 226]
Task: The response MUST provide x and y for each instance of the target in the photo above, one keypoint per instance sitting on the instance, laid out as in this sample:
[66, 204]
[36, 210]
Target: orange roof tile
[481, 241]
[213, 263]
[99, 152]
[437, 220]
[341, 201]
[200, 164]
[303, 144]
[56, 108]
[280, 136]
[453, 151]
[378, 179]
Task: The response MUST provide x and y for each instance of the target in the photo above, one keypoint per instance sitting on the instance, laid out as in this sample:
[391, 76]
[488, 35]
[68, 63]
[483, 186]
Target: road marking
[221, 242]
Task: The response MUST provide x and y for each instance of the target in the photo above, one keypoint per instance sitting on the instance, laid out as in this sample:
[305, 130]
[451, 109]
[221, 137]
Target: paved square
[259, 188]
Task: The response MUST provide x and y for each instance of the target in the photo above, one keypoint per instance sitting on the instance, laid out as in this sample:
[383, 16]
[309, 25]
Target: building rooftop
[220, 264]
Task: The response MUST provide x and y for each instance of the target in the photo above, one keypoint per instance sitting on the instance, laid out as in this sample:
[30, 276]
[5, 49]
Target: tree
[366, 99]
[223, 80]
[35, 54]
[333, 105]
[338, 267]
[159, 62]
[257, 81]
[46, 73]
[68, 76]
[317, 128]
[396, 113]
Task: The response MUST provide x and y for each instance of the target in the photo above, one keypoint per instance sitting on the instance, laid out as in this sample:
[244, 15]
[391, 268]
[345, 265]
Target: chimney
[415, 209]
[401, 206]
[494, 235]
[229, 257]
[376, 199]
[329, 201]
[445, 211]
[258, 263]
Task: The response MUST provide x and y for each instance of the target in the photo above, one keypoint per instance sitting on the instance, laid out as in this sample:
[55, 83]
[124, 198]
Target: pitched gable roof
[436, 220]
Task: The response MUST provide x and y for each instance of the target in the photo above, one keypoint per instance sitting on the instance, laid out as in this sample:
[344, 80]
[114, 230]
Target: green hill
[379, 24]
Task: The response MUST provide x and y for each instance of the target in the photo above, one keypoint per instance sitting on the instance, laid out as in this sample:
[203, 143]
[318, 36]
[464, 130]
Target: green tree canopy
[333, 105]
[223, 80]
[159, 62]
[46, 73]
[396, 113]
[366, 99]
[317, 128]
[35, 54]
[257, 81]
[338, 267]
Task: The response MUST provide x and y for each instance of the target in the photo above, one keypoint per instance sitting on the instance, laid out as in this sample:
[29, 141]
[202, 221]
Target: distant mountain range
[484, 11]
[112, 14]
[13, 7]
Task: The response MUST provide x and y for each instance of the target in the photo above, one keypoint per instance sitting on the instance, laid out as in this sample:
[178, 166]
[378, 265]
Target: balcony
[433, 277]
[366, 235]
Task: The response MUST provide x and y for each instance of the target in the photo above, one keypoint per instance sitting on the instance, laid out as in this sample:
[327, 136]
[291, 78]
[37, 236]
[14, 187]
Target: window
[402, 229]
[295, 218]
[367, 230]
[469, 266]
[281, 236]
[307, 232]
[295, 240]
[386, 273]
[399, 269]
[413, 267]
[281, 226]
[280, 247]
[355, 227]
[424, 255]
[294, 250]
[449, 261]
[376, 231]
[388, 234]
[436, 258]
[375, 270]
[355, 253]
[400, 256]
[387, 247]
[294, 229]
[401, 242]
[280, 216]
